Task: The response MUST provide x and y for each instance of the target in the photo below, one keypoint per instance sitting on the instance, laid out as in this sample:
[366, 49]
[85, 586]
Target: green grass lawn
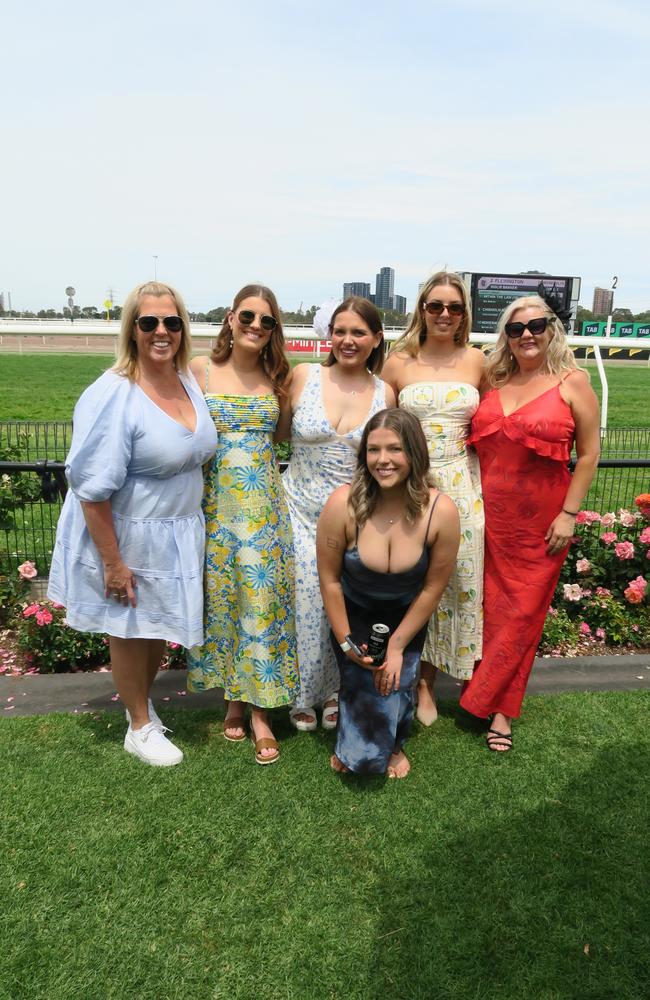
[482, 875]
[46, 387]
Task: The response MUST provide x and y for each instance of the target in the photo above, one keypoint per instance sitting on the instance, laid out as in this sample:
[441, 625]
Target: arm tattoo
[332, 543]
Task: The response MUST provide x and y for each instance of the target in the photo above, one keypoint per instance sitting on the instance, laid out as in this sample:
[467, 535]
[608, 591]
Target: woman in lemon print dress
[250, 637]
[436, 376]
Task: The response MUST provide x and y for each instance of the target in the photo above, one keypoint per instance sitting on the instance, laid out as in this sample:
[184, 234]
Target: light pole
[155, 267]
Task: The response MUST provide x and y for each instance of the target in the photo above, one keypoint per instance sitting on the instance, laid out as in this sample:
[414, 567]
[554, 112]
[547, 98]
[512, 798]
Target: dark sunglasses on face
[247, 316]
[173, 324]
[536, 327]
[436, 308]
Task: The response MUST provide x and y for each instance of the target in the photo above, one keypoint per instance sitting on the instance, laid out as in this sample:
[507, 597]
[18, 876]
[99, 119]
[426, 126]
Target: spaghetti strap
[433, 507]
[565, 377]
[207, 375]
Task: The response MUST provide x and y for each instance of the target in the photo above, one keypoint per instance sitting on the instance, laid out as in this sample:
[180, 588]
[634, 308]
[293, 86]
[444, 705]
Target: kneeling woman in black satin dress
[386, 547]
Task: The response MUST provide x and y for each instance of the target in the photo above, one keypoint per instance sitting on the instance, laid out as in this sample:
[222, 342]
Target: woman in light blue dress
[128, 558]
[330, 406]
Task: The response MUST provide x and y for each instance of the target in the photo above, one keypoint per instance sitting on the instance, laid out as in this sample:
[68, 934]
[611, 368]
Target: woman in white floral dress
[330, 406]
[436, 376]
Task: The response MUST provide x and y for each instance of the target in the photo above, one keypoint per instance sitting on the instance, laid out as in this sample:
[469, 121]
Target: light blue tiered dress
[321, 461]
[127, 450]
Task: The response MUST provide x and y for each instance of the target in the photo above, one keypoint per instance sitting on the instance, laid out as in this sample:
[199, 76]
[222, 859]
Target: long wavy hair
[502, 364]
[365, 490]
[272, 356]
[372, 318]
[126, 362]
[416, 332]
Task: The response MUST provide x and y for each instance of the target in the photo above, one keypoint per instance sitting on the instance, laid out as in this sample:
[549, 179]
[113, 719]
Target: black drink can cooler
[378, 643]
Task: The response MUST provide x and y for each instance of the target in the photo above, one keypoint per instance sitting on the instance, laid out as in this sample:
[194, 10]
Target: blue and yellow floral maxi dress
[250, 637]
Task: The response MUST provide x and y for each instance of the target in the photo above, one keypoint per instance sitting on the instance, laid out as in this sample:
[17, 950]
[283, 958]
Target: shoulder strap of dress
[565, 377]
[433, 507]
[207, 375]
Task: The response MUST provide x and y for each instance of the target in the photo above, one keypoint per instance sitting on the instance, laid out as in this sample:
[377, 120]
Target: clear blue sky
[304, 143]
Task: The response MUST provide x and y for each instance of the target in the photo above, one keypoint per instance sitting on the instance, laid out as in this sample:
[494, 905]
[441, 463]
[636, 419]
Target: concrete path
[38, 694]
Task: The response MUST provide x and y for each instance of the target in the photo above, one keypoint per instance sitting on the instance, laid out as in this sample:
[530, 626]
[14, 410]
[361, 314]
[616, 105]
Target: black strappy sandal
[495, 737]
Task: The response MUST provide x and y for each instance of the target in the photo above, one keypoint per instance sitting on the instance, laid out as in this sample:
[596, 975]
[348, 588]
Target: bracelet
[570, 512]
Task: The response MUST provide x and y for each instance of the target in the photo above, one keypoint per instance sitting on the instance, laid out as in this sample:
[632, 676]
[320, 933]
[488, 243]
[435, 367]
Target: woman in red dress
[523, 431]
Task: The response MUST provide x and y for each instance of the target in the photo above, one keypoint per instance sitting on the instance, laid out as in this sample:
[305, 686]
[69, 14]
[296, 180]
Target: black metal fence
[35, 471]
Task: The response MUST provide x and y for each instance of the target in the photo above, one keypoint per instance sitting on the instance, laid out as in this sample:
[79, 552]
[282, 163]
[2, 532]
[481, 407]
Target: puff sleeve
[103, 429]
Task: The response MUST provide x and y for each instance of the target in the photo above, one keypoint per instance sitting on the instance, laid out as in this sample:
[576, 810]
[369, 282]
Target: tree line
[299, 317]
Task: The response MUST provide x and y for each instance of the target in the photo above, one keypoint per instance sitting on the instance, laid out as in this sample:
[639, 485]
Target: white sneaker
[153, 715]
[152, 746]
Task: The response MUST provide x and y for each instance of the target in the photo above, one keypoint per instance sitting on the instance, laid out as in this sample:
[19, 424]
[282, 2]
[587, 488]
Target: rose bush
[37, 637]
[603, 593]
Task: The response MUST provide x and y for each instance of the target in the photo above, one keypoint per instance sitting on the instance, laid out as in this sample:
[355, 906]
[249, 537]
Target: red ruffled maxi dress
[524, 474]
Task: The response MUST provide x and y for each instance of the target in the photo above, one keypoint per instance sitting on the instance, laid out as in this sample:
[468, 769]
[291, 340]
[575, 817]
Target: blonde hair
[126, 362]
[416, 332]
[365, 491]
[501, 363]
[272, 356]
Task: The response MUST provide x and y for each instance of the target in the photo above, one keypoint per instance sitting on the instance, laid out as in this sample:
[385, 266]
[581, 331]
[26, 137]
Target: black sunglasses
[536, 327]
[173, 324]
[247, 316]
[436, 308]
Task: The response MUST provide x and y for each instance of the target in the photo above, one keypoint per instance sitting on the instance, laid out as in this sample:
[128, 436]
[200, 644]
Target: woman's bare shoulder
[198, 365]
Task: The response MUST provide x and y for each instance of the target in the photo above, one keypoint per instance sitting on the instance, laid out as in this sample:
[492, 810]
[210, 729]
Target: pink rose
[588, 517]
[572, 591]
[552, 612]
[626, 518]
[43, 617]
[31, 610]
[584, 629]
[603, 592]
[607, 520]
[583, 566]
[608, 537]
[28, 570]
[624, 550]
[645, 536]
[633, 596]
[640, 584]
[57, 607]
[600, 634]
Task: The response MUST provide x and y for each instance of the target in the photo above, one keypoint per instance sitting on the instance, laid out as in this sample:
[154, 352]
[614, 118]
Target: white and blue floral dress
[321, 461]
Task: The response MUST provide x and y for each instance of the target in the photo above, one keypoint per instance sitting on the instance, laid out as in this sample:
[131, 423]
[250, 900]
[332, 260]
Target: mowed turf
[480, 876]
[46, 387]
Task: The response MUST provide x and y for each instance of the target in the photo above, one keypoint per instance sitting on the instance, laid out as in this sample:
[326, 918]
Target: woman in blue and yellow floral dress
[250, 641]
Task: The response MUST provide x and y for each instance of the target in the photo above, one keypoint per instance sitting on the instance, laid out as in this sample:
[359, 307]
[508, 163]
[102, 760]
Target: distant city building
[2, 302]
[603, 302]
[384, 295]
[360, 288]
[385, 288]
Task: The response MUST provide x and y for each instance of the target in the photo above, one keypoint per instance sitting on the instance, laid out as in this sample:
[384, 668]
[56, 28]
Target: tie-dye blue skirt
[372, 726]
